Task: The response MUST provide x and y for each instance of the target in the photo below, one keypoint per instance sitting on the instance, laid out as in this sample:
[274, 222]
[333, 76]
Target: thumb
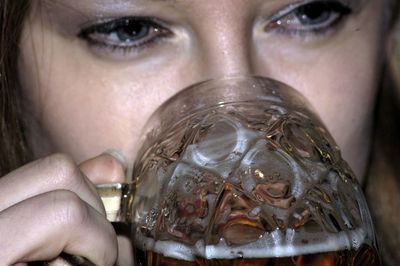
[108, 167]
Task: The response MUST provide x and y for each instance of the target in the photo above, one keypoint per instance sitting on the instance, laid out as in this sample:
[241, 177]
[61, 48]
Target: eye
[124, 33]
[312, 17]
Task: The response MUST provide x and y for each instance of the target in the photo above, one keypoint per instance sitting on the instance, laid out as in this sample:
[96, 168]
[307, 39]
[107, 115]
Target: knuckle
[69, 209]
[66, 173]
[71, 214]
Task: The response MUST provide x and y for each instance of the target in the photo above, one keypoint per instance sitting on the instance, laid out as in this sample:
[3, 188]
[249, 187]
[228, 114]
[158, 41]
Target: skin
[83, 99]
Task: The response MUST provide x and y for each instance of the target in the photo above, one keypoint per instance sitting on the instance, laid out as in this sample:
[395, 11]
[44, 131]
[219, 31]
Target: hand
[49, 206]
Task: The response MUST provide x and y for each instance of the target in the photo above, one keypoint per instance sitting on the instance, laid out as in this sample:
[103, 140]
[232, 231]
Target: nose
[224, 44]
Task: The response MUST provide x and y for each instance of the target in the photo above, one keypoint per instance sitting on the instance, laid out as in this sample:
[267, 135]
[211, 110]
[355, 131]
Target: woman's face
[94, 70]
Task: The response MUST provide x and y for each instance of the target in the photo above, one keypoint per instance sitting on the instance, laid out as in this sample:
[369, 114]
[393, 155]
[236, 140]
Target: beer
[364, 256]
[333, 250]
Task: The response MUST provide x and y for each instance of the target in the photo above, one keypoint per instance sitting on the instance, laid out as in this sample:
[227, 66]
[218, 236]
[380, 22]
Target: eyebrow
[355, 4]
[102, 3]
[108, 2]
[141, 1]
[121, 6]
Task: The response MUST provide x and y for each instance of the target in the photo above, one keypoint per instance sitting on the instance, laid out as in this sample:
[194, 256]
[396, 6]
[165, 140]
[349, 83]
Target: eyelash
[142, 32]
[289, 20]
[139, 33]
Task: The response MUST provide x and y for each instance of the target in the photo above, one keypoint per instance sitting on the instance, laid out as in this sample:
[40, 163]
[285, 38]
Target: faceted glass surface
[246, 178]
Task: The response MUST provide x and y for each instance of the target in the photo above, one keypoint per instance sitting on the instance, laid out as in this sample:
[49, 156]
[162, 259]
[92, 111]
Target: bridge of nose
[223, 35]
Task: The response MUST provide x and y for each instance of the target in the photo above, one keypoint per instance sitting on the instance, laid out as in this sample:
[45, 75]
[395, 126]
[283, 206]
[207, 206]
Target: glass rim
[226, 90]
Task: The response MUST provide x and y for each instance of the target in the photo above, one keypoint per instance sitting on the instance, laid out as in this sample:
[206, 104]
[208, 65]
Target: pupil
[313, 13]
[132, 31]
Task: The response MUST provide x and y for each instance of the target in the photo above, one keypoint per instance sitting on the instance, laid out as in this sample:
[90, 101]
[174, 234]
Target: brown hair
[13, 150]
[382, 188]
[395, 10]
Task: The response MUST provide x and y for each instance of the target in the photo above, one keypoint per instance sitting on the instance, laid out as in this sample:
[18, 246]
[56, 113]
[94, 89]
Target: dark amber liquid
[364, 256]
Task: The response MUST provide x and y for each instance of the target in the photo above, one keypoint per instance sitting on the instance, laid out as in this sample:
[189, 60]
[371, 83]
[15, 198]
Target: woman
[82, 77]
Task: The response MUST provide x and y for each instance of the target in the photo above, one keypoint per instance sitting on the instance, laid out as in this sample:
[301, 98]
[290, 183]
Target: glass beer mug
[241, 171]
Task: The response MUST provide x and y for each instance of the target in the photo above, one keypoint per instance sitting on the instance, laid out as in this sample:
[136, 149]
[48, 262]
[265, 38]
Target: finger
[59, 262]
[70, 260]
[55, 222]
[125, 251]
[106, 168]
[51, 173]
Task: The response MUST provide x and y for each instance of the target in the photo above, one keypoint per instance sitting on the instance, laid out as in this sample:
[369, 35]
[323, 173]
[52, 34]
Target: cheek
[85, 105]
[342, 91]
[339, 78]
[337, 73]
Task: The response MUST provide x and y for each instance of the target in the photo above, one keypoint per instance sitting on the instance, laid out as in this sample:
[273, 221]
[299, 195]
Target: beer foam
[274, 244]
